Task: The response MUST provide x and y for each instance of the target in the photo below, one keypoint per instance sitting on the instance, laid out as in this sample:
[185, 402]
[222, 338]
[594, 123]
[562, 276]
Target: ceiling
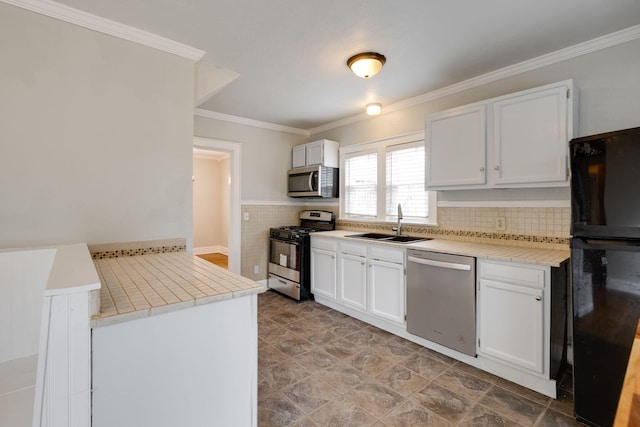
[291, 54]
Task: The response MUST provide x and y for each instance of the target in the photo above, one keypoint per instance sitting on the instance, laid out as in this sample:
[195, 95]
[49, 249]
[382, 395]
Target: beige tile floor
[319, 367]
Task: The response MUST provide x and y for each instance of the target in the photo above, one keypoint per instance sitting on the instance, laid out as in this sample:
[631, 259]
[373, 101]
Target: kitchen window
[377, 176]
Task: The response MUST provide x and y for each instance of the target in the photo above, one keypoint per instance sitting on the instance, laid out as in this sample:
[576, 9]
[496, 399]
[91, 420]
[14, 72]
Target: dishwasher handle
[441, 264]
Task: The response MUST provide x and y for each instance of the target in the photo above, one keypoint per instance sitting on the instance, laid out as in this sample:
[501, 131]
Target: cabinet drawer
[326, 244]
[386, 254]
[353, 249]
[532, 277]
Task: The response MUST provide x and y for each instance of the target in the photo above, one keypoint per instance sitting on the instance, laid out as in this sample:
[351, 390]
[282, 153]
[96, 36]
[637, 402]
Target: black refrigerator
[605, 259]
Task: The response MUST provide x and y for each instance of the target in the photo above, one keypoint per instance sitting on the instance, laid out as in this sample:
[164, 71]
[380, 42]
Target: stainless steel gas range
[290, 253]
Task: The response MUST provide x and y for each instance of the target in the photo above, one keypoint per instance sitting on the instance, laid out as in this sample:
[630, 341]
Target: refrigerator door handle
[631, 245]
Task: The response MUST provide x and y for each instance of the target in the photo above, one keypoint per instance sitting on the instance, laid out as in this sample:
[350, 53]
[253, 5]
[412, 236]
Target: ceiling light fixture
[366, 64]
[374, 109]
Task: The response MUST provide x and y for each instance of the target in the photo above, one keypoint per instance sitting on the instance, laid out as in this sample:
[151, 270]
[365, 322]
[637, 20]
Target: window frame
[381, 147]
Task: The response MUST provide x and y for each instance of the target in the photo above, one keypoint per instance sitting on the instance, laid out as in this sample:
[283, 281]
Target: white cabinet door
[512, 324]
[314, 153]
[299, 156]
[323, 273]
[353, 281]
[531, 137]
[387, 288]
[456, 147]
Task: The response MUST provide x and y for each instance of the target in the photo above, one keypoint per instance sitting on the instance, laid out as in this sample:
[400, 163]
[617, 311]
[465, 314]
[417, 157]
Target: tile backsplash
[255, 233]
[546, 228]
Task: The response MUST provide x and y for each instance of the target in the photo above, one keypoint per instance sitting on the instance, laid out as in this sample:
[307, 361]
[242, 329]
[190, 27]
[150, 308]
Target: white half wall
[23, 277]
[191, 367]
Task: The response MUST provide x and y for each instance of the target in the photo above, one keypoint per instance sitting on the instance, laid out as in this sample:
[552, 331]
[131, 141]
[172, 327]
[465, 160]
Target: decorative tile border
[124, 249]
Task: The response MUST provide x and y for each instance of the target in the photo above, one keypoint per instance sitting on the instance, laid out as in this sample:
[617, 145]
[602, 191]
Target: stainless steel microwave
[313, 181]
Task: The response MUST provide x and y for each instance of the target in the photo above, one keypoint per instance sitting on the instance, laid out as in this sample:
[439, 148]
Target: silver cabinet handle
[496, 167]
[538, 298]
[482, 169]
[441, 264]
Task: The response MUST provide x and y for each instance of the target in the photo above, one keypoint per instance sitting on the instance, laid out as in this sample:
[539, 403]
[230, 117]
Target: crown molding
[93, 22]
[200, 112]
[594, 45]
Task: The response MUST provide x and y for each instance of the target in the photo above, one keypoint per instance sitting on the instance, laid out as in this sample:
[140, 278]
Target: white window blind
[376, 176]
[360, 187]
[405, 182]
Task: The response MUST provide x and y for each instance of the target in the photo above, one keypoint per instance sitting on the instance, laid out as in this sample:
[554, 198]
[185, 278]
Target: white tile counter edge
[72, 271]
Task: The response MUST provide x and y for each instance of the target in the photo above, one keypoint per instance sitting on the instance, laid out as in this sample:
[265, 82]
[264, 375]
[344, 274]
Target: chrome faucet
[399, 227]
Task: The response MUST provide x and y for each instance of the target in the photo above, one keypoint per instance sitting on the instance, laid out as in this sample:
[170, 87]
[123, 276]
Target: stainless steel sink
[374, 236]
[407, 239]
[389, 237]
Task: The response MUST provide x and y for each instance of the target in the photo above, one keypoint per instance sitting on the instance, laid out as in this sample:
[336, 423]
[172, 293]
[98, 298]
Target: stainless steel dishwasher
[441, 299]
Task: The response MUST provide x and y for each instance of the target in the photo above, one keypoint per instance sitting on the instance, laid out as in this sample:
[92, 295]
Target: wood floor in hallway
[218, 259]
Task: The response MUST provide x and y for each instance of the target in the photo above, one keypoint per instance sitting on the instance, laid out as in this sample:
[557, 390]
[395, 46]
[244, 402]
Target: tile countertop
[493, 251]
[144, 285]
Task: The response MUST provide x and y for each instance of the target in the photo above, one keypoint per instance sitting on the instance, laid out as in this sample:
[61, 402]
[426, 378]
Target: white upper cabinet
[323, 152]
[457, 137]
[516, 140]
[531, 136]
[299, 156]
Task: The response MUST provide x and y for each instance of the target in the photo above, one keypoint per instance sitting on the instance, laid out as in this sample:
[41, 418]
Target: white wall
[210, 202]
[266, 156]
[95, 136]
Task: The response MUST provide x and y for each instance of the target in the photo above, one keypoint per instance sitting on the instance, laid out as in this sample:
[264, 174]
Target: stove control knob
[274, 234]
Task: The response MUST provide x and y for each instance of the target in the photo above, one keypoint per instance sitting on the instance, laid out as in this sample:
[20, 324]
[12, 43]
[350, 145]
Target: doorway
[218, 163]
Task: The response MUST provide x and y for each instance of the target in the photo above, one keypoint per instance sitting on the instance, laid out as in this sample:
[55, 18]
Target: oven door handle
[441, 264]
[288, 242]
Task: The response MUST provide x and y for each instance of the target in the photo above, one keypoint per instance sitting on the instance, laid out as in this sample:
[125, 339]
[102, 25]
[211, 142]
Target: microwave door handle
[311, 181]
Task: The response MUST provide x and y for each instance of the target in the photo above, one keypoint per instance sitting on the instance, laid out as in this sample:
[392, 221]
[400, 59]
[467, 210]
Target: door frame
[235, 233]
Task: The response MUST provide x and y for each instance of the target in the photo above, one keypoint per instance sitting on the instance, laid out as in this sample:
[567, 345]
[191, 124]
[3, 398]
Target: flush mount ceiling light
[366, 64]
[374, 109]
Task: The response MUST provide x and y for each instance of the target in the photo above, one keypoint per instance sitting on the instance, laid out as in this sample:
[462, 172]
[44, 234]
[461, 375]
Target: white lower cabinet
[387, 285]
[372, 279]
[514, 314]
[521, 308]
[352, 267]
[323, 268]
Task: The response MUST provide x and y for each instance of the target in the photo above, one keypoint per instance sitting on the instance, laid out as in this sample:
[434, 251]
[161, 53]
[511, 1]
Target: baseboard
[211, 250]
